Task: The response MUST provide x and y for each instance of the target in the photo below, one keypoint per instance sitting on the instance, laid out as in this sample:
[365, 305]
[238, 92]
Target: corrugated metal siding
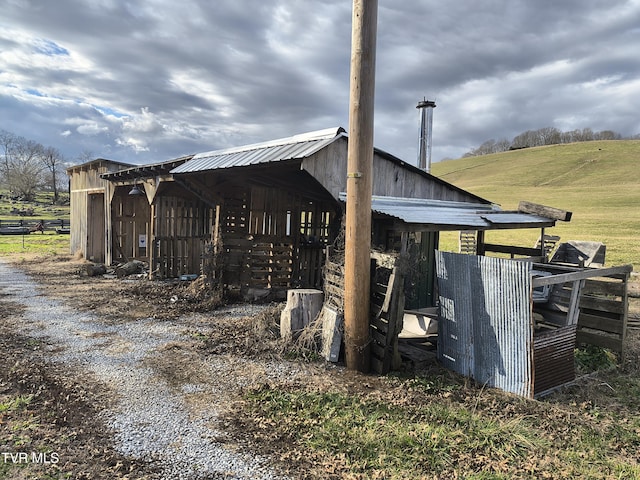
[299, 146]
[485, 329]
[554, 358]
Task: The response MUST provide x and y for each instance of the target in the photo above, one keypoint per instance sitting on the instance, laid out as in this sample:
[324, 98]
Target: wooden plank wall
[236, 240]
[392, 178]
[387, 311]
[334, 284]
[604, 306]
[129, 218]
[273, 239]
[603, 315]
[182, 227]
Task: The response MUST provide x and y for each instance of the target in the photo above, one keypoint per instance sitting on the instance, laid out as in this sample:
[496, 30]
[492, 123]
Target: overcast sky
[144, 81]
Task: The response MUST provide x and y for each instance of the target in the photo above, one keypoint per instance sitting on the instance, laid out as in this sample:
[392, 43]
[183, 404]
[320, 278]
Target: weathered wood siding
[603, 314]
[273, 239]
[395, 179]
[181, 229]
[130, 217]
[89, 195]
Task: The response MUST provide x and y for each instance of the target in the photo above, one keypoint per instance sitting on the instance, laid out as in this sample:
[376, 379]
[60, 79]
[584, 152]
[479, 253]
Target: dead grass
[55, 412]
[588, 430]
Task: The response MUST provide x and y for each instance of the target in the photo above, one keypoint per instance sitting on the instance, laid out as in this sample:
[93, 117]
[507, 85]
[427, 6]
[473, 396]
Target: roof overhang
[145, 171]
[417, 214]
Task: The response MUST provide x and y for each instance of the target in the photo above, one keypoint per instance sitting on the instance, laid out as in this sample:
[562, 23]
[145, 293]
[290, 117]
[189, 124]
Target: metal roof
[298, 146]
[472, 216]
[141, 171]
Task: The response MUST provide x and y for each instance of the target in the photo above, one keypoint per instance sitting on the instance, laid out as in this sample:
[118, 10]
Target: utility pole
[357, 282]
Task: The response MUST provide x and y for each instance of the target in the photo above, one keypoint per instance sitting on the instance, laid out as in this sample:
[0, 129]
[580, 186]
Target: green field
[599, 182]
[42, 209]
[38, 243]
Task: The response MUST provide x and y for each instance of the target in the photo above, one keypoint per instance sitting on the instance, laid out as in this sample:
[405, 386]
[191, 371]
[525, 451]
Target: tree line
[540, 137]
[28, 167]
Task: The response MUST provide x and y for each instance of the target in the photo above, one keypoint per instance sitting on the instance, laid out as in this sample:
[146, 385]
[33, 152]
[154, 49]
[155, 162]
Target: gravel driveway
[154, 420]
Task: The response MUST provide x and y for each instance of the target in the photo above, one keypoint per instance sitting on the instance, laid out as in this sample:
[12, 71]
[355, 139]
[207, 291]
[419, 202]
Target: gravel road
[152, 419]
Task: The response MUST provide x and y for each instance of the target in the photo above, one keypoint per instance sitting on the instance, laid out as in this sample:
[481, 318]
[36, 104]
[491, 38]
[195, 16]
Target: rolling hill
[598, 181]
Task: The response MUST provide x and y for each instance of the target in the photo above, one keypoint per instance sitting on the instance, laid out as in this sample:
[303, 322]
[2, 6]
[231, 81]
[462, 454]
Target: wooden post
[359, 185]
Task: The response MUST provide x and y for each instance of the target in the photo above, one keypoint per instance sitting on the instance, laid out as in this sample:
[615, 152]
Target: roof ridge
[323, 134]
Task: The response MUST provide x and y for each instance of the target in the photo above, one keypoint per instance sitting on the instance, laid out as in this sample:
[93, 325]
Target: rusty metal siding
[554, 358]
[485, 328]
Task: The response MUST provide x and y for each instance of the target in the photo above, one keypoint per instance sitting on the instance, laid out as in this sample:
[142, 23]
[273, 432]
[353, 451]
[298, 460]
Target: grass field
[599, 182]
[48, 243]
[43, 207]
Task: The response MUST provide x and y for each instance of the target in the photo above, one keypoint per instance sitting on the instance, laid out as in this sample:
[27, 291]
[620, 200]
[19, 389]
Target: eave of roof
[453, 215]
[98, 161]
[142, 171]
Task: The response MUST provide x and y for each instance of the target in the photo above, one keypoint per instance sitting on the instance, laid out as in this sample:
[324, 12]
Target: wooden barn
[90, 212]
[260, 216]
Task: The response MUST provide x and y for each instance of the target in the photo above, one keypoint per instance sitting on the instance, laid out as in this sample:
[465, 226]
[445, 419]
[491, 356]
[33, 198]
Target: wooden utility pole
[359, 184]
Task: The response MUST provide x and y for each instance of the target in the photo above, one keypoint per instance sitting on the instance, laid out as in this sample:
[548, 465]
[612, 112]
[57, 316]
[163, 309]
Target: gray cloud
[147, 81]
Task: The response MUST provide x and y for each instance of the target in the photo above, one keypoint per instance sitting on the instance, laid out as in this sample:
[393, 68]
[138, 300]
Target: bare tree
[7, 141]
[22, 167]
[549, 136]
[85, 156]
[53, 160]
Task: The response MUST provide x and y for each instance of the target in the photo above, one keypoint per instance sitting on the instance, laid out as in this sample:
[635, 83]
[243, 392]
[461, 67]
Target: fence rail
[32, 224]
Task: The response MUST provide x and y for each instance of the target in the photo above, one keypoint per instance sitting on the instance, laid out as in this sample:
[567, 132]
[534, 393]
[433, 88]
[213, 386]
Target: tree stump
[303, 306]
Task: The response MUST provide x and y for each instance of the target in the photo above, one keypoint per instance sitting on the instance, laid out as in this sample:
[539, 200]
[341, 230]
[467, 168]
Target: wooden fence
[58, 225]
[603, 303]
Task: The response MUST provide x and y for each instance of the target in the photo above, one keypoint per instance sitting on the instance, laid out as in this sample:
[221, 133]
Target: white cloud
[158, 79]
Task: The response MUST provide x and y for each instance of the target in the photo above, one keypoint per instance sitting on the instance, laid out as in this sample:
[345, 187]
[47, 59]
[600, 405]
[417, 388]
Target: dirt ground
[61, 406]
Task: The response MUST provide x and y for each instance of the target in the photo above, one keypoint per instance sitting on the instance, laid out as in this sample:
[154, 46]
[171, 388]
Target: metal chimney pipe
[426, 129]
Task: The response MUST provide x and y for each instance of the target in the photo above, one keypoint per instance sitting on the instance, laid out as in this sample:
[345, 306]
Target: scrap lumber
[544, 211]
[303, 306]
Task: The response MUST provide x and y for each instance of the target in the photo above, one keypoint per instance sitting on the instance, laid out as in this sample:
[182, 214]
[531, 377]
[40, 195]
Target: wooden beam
[544, 211]
[581, 275]
[359, 185]
[511, 249]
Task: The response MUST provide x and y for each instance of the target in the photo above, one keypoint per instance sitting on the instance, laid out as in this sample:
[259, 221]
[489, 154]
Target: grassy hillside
[598, 181]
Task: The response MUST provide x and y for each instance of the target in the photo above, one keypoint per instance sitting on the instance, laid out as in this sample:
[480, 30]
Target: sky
[145, 81]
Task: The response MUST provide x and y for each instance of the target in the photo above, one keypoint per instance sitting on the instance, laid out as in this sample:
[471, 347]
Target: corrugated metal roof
[472, 216]
[298, 146]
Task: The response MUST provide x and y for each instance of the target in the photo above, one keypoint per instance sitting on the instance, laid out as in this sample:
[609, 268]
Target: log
[544, 211]
[303, 306]
[95, 269]
[129, 268]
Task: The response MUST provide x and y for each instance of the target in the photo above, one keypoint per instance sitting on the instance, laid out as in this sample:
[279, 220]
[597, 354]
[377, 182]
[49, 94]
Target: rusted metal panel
[554, 358]
[485, 324]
